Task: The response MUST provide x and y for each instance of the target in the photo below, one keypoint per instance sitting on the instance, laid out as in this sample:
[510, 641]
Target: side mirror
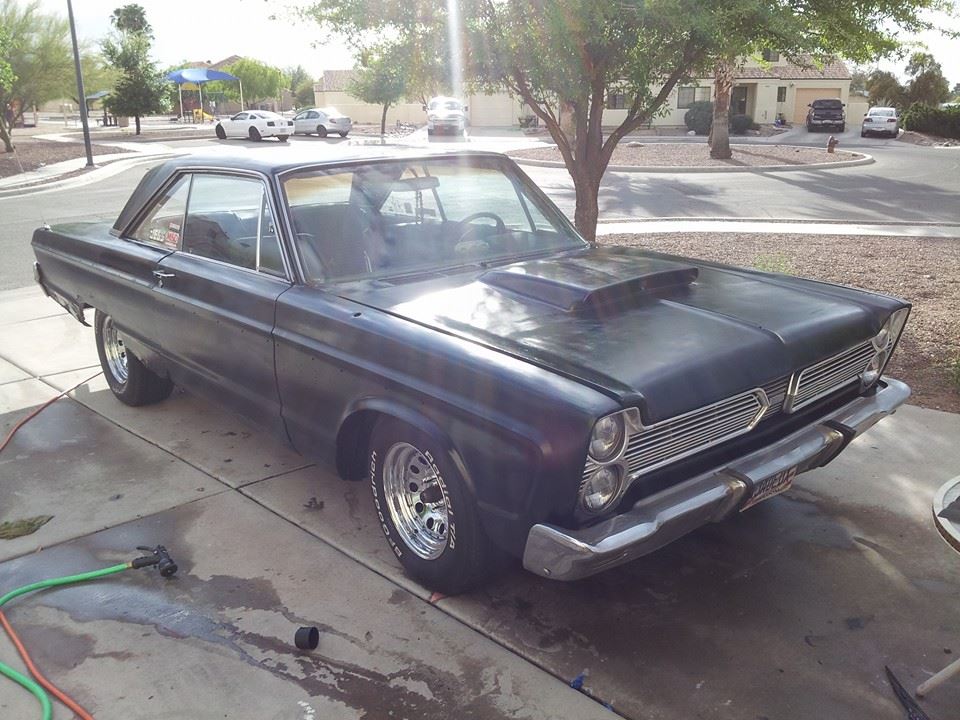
[424, 108]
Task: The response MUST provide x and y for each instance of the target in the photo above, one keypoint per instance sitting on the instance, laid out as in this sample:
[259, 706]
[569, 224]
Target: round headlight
[607, 438]
[872, 373]
[601, 489]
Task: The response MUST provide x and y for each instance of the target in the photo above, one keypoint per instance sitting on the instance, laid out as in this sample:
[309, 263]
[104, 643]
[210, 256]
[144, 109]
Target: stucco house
[763, 89]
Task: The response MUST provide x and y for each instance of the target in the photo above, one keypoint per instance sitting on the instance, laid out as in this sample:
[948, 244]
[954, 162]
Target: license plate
[768, 487]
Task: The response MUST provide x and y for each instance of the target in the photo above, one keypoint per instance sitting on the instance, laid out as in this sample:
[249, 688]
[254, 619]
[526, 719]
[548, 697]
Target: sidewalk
[790, 610]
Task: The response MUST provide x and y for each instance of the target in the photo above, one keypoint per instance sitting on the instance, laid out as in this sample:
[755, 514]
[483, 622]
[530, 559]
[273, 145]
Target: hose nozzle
[158, 556]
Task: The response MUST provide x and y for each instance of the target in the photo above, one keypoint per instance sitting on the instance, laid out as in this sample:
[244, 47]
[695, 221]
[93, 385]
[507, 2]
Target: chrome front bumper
[653, 522]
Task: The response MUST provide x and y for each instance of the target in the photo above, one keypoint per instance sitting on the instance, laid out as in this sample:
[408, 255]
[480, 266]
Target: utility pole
[83, 96]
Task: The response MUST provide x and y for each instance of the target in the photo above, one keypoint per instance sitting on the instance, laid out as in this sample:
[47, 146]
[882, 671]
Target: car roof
[278, 159]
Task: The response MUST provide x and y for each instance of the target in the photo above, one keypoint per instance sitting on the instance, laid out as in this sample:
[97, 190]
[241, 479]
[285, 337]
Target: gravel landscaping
[924, 271]
[30, 154]
[698, 155]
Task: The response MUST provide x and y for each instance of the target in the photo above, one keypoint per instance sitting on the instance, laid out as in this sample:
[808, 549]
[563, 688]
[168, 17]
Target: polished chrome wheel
[415, 497]
[114, 350]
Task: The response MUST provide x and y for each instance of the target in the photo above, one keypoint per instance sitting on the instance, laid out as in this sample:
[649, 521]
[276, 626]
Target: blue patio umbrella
[199, 76]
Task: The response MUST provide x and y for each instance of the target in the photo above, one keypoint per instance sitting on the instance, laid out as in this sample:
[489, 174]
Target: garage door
[498, 110]
[805, 96]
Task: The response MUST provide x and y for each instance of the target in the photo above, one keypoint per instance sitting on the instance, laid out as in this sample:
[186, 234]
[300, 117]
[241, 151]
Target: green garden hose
[159, 557]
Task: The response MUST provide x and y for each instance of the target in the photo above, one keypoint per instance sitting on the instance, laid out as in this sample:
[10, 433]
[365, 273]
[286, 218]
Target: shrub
[944, 122]
[699, 117]
[739, 124]
[528, 121]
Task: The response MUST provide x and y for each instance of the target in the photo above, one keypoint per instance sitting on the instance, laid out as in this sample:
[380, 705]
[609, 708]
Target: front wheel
[130, 380]
[427, 514]
[221, 133]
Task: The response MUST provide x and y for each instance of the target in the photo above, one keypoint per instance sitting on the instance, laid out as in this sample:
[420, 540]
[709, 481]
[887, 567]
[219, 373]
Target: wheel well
[353, 440]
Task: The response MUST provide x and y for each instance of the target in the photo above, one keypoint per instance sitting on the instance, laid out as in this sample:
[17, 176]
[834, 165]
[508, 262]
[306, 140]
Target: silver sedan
[322, 121]
[881, 120]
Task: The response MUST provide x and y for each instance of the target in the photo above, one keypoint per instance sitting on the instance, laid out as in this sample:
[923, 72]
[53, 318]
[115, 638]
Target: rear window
[883, 112]
[827, 104]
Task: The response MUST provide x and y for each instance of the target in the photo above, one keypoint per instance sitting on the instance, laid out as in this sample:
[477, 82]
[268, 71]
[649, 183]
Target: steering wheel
[501, 226]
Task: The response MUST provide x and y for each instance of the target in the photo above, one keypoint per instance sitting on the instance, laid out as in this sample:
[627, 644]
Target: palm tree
[131, 18]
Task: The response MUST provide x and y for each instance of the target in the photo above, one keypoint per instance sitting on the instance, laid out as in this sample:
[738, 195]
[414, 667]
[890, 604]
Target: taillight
[891, 119]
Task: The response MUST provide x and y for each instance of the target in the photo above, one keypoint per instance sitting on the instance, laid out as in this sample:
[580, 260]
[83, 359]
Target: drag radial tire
[129, 379]
[427, 514]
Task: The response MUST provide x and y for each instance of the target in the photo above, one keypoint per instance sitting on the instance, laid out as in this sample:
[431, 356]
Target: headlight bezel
[884, 343]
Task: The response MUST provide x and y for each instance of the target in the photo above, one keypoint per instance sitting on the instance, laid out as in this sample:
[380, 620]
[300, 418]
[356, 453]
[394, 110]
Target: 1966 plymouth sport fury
[432, 325]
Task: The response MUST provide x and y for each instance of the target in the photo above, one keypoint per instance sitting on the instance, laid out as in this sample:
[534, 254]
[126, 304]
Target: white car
[446, 114]
[256, 125]
[322, 121]
[881, 120]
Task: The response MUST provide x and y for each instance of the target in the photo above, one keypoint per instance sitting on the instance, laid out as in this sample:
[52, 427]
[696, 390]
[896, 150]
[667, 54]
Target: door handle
[162, 275]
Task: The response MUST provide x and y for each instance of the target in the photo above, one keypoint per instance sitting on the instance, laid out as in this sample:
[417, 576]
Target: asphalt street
[908, 183]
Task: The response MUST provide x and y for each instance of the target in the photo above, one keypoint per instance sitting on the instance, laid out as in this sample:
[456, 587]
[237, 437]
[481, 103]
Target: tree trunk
[587, 210]
[5, 136]
[136, 119]
[383, 120]
[720, 131]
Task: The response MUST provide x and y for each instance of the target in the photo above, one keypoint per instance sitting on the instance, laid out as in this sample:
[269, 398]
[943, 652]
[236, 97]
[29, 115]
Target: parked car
[826, 114]
[881, 120]
[322, 121]
[431, 324]
[255, 125]
[446, 115]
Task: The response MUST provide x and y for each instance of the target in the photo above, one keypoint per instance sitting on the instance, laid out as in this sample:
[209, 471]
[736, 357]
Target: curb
[865, 160]
[99, 172]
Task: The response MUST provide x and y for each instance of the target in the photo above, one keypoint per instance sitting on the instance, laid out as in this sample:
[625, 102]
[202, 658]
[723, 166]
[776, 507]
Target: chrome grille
[687, 434]
[776, 393]
[828, 375]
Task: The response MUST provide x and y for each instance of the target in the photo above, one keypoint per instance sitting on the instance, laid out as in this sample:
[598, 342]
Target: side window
[239, 116]
[164, 224]
[270, 258]
[313, 115]
[224, 219]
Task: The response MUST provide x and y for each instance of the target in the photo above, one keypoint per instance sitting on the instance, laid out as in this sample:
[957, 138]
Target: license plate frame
[771, 486]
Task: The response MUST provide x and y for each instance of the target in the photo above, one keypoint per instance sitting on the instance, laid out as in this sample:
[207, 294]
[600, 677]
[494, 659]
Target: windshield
[445, 105]
[392, 218]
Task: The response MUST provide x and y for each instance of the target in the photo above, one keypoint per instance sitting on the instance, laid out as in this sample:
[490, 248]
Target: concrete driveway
[788, 611]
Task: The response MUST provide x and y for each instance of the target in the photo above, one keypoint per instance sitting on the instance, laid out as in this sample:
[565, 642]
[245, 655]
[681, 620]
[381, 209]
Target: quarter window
[164, 224]
[228, 220]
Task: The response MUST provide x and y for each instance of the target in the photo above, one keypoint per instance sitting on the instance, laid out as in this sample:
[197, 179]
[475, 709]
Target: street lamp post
[83, 96]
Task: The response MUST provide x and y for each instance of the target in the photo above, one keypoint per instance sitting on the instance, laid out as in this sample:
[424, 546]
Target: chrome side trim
[562, 554]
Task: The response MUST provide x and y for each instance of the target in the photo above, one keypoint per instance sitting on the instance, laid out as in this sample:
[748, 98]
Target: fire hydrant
[832, 142]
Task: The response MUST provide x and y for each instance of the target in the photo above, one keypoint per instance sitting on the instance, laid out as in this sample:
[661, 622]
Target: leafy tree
[858, 81]
[381, 80]
[260, 81]
[6, 83]
[301, 85]
[39, 54]
[927, 84]
[131, 18]
[139, 89]
[884, 89]
[98, 75]
[956, 92]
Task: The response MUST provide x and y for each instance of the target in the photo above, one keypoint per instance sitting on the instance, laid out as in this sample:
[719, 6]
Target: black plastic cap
[307, 638]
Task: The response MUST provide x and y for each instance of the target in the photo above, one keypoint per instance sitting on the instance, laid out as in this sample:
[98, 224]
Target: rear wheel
[282, 138]
[221, 133]
[130, 380]
[343, 134]
[255, 134]
[425, 510]
[843, 127]
[321, 131]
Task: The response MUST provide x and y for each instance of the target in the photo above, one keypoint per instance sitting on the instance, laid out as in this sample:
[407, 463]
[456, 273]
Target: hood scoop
[610, 280]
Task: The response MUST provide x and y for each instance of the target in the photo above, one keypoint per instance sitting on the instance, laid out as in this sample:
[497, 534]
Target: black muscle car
[431, 324]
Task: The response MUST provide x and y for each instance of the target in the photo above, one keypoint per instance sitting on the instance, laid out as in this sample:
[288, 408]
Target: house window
[782, 94]
[618, 101]
[688, 94]
[771, 56]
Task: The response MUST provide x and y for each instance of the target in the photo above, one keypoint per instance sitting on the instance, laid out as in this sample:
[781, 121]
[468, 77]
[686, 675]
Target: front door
[738, 100]
[218, 294]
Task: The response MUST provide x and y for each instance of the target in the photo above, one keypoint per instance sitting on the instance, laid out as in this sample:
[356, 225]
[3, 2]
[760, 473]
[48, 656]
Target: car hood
[663, 333]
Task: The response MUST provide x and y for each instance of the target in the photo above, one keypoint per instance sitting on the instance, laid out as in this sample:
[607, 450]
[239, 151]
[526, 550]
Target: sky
[215, 29]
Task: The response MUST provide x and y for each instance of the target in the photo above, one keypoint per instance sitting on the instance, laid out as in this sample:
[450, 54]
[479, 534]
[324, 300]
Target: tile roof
[333, 81]
[833, 70]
